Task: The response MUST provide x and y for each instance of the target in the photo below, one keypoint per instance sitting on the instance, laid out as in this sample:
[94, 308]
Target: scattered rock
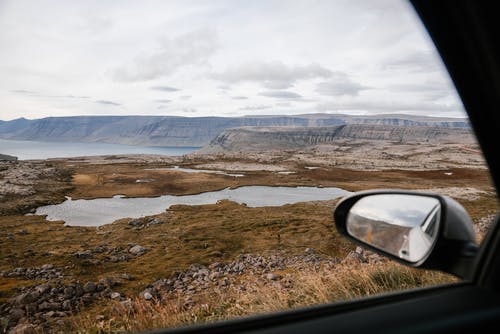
[101, 248]
[273, 277]
[198, 278]
[354, 257]
[24, 298]
[115, 295]
[24, 329]
[135, 223]
[119, 258]
[224, 282]
[83, 255]
[47, 266]
[66, 305]
[47, 271]
[137, 250]
[107, 282]
[16, 314]
[45, 304]
[155, 221]
[126, 276]
[89, 287]
[42, 288]
[69, 291]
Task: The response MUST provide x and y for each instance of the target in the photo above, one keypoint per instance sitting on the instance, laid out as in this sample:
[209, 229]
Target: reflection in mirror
[403, 225]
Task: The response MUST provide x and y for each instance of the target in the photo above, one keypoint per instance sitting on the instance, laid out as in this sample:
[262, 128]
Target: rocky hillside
[279, 138]
[186, 131]
[5, 157]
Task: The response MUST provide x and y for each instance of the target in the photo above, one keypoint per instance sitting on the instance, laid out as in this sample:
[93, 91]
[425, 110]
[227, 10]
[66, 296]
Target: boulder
[115, 295]
[137, 250]
[273, 277]
[25, 298]
[83, 255]
[24, 329]
[135, 223]
[89, 287]
[147, 295]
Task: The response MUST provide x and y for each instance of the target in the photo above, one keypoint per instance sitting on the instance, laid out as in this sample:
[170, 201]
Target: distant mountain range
[188, 131]
[247, 139]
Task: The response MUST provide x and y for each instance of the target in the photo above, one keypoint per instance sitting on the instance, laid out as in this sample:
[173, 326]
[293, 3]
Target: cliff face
[135, 130]
[185, 131]
[262, 139]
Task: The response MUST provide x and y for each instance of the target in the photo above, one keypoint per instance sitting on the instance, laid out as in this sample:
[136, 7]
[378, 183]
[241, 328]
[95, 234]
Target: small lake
[26, 149]
[102, 211]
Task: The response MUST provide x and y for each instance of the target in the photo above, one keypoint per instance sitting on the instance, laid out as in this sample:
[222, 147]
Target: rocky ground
[40, 307]
[24, 185]
[51, 274]
[366, 155]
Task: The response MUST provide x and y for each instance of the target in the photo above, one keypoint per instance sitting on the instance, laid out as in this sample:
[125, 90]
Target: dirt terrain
[203, 263]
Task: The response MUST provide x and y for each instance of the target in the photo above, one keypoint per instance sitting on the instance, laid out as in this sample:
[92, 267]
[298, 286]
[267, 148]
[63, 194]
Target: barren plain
[192, 264]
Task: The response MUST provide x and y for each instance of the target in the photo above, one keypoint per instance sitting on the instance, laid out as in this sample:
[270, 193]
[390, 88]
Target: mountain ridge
[187, 131]
[251, 139]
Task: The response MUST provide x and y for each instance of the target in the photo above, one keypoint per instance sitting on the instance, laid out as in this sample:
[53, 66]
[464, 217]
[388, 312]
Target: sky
[218, 58]
[396, 209]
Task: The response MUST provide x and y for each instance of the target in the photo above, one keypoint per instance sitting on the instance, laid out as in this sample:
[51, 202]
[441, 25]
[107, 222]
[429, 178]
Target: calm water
[102, 211]
[25, 149]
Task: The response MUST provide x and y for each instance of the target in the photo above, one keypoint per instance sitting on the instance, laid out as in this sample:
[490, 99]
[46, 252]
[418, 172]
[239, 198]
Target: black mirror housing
[454, 248]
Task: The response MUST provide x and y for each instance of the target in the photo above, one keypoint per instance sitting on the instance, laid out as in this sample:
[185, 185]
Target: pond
[100, 211]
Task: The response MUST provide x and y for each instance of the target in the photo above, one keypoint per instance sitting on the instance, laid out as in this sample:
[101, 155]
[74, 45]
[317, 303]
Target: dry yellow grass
[311, 287]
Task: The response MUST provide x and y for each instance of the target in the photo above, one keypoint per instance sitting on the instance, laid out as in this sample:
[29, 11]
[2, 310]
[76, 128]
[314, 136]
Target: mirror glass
[403, 225]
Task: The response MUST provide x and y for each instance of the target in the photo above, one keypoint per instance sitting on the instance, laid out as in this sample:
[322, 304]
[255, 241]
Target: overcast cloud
[339, 85]
[193, 48]
[259, 107]
[165, 88]
[273, 75]
[109, 103]
[221, 57]
[281, 94]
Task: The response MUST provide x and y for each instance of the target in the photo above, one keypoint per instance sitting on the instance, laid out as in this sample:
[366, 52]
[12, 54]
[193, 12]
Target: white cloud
[272, 75]
[110, 103]
[340, 84]
[193, 48]
[414, 61]
[258, 107]
[165, 88]
[281, 94]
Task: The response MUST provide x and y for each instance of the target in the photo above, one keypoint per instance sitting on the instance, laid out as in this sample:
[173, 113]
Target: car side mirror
[421, 230]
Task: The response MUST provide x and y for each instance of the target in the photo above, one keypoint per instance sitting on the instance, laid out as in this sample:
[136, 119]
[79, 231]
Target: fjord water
[102, 211]
[26, 149]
